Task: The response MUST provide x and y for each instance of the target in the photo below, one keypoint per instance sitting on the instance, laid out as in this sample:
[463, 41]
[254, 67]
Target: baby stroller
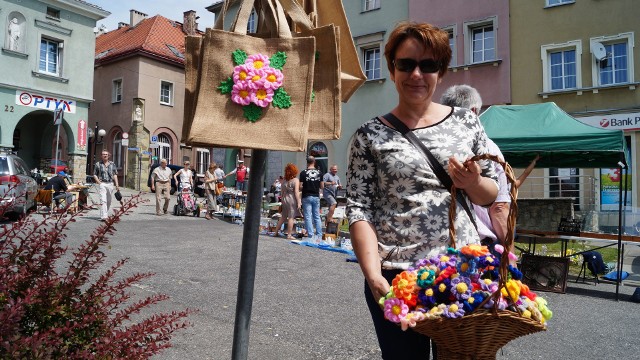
[186, 203]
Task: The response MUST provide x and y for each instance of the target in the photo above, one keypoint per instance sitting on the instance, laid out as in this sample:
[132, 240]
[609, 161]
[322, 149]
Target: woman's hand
[379, 286]
[464, 175]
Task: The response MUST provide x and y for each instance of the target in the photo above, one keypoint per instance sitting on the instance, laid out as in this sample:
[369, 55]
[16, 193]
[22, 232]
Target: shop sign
[30, 99]
[624, 121]
[82, 134]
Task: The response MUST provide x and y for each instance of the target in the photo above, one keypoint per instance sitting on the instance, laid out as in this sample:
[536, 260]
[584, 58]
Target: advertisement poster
[612, 180]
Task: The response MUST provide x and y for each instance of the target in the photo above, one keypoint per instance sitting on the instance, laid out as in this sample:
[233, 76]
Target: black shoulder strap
[437, 168]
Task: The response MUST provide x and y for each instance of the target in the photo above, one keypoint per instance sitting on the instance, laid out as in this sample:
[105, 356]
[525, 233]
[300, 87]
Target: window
[116, 152]
[166, 93]
[617, 66]
[561, 66]
[252, 24]
[452, 44]
[163, 151]
[368, 5]
[559, 2]
[563, 69]
[116, 91]
[54, 13]
[50, 56]
[372, 63]
[202, 162]
[483, 44]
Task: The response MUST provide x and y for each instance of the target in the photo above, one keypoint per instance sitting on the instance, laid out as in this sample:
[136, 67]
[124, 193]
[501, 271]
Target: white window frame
[469, 27]
[453, 33]
[58, 60]
[116, 150]
[607, 40]
[368, 5]
[203, 158]
[365, 51]
[170, 95]
[116, 90]
[552, 3]
[546, 50]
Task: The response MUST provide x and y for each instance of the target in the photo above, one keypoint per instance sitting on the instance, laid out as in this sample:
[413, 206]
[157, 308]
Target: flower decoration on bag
[257, 82]
[456, 283]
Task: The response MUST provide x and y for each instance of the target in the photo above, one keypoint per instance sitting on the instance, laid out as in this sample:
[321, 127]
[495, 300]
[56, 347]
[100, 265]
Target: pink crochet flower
[262, 97]
[241, 93]
[257, 62]
[395, 310]
[256, 79]
[241, 73]
[411, 319]
[272, 79]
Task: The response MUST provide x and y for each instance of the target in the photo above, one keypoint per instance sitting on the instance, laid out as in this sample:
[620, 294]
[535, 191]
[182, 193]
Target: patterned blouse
[391, 185]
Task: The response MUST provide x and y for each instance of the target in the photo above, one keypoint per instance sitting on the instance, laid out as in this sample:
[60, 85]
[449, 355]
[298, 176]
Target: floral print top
[391, 185]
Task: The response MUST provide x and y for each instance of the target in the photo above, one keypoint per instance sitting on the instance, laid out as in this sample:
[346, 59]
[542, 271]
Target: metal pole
[57, 147]
[620, 215]
[248, 257]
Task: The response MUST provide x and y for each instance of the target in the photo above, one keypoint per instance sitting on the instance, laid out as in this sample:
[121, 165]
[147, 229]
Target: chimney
[136, 16]
[122, 24]
[189, 25]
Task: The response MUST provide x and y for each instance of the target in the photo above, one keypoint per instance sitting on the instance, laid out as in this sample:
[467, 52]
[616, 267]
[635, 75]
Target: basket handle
[511, 224]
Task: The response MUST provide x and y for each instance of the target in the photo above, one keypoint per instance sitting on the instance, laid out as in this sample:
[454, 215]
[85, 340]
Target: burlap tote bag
[193, 45]
[326, 107]
[253, 92]
[325, 12]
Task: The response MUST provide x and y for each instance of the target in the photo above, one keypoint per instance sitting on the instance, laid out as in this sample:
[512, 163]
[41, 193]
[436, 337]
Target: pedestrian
[212, 178]
[397, 208]
[242, 174]
[492, 221]
[310, 186]
[105, 174]
[276, 189]
[161, 184]
[291, 200]
[185, 176]
[60, 188]
[331, 184]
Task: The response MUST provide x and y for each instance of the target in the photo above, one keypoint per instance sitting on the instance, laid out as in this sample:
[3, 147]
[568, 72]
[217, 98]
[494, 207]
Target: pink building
[479, 37]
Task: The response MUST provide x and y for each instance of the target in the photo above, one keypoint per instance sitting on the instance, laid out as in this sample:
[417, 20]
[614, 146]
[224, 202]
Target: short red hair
[290, 171]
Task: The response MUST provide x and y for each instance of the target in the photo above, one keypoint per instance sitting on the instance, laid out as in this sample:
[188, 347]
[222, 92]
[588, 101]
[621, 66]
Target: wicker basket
[479, 335]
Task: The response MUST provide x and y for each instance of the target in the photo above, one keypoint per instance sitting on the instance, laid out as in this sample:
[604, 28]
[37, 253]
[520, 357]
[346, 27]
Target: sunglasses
[427, 66]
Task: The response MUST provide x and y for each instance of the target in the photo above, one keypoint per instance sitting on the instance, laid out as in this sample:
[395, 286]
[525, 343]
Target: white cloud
[170, 9]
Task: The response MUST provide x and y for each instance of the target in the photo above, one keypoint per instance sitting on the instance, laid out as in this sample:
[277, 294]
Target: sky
[171, 9]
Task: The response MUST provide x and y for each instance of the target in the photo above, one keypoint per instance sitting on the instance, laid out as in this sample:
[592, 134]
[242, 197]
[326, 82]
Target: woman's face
[415, 87]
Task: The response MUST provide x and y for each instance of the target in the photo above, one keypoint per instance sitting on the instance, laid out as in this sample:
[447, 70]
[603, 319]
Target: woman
[397, 208]
[210, 184]
[186, 177]
[291, 199]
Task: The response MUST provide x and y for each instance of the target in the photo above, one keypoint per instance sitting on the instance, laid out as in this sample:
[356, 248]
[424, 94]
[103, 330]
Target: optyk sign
[26, 98]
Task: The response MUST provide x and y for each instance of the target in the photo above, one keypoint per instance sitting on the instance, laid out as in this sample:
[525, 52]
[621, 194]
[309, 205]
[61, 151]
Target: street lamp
[94, 144]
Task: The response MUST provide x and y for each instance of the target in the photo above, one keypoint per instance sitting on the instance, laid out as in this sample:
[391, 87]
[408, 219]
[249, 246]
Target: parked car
[18, 189]
[198, 189]
[58, 165]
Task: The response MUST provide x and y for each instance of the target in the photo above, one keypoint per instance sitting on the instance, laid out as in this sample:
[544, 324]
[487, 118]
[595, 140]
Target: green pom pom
[278, 60]
[226, 86]
[313, 95]
[252, 112]
[281, 99]
[239, 57]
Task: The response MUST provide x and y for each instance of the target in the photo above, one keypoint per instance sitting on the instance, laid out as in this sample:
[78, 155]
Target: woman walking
[291, 201]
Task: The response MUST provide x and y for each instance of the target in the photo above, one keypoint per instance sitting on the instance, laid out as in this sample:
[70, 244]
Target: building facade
[582, 56]
[46, 52]
[139, 83]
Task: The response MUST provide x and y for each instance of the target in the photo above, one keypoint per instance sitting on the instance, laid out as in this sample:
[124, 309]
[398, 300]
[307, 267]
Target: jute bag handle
[219, 23]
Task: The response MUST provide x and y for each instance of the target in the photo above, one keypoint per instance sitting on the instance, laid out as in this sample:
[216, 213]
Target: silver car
[17, 188]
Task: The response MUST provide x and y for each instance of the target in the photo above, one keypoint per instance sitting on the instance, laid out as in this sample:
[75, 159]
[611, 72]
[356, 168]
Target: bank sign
[626, 121]
[30, 99]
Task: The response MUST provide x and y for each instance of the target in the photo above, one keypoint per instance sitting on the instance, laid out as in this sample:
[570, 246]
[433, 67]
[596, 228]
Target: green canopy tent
[522, 131]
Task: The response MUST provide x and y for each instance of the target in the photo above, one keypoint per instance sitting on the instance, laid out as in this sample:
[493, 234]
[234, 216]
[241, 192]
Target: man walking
[161, 184]
[242, 172]
[310, 185]
[331, 182]
[105, 174]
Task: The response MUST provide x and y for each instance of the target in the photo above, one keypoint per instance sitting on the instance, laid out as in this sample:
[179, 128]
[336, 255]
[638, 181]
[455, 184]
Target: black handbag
[117, 195]
[437, 168]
